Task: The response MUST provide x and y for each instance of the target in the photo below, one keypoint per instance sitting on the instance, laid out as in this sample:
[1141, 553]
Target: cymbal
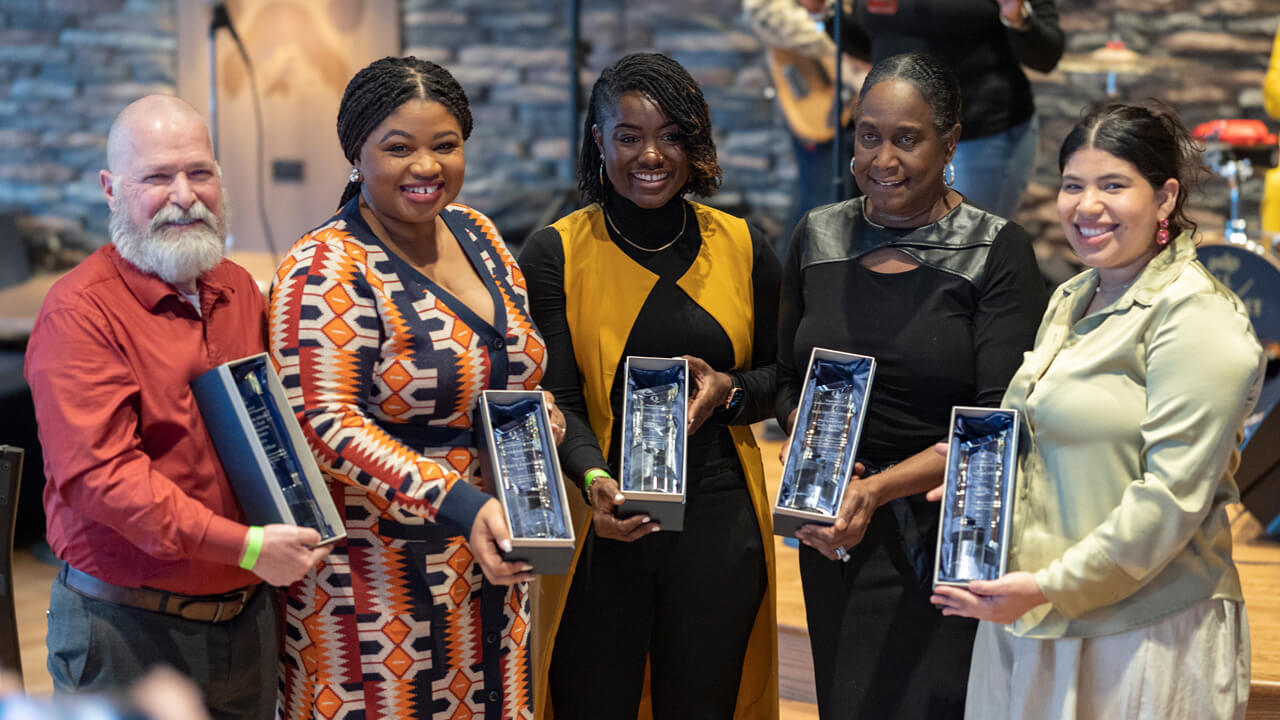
[1114, 57]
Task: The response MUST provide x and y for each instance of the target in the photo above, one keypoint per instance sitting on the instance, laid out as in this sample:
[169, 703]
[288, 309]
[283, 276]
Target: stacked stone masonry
[68, 66]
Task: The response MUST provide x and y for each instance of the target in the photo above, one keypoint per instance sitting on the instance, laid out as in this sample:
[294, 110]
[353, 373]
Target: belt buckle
[229, 604]
[240, 596]
[217, 613]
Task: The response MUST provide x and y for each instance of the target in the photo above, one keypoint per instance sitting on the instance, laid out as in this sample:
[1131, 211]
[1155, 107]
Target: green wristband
[253, 548]
[592, 475]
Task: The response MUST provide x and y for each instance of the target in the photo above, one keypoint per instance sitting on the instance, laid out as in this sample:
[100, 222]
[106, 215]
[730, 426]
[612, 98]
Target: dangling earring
[1162, 235]
[355, 176]
[949, 174]
[602, 182]
[851, 159]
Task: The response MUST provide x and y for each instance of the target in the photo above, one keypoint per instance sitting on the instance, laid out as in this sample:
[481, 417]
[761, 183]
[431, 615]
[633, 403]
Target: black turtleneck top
[670, 324]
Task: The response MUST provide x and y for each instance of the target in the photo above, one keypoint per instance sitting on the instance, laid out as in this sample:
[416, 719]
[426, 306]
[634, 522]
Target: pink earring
[1162, 235]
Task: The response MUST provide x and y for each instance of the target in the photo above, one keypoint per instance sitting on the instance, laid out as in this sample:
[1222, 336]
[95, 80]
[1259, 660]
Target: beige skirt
[1192, 665]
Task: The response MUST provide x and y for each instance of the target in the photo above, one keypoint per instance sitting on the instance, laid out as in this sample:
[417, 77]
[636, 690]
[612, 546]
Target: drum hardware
[1114, 60]
[1231, 148]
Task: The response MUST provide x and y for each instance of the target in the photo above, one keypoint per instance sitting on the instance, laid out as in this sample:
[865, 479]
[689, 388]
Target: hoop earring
[851, 159]
[949, 174]
[1162, 235]
[603, 184]
[355, 176]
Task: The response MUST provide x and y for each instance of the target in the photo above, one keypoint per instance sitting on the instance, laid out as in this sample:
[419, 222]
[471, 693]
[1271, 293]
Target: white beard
[177, 255]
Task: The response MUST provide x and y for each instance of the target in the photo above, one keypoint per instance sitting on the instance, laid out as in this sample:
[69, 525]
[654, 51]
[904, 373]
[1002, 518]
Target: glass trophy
[526, 477]
[652, 461]
[521, 463]
[251, 379]
[824, 441]
[981, 465]
[652, 445]
[267, 460]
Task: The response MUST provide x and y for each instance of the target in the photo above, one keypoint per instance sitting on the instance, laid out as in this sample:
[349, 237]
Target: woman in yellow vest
[641, 271]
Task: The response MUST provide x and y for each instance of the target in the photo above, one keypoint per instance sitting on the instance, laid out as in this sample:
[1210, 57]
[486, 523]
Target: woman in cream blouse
[1122, 599]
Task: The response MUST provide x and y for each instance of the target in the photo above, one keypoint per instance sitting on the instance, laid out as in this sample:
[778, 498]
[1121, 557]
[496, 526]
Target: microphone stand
[219, 19]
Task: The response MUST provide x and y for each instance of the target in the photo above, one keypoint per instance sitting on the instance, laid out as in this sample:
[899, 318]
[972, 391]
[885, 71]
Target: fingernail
[644, 520]
[527, 568]
[618, 498]
[505, 545]
[655, 529]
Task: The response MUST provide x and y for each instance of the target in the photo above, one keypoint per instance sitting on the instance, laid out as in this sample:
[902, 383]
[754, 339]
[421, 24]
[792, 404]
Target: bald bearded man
[159, 566]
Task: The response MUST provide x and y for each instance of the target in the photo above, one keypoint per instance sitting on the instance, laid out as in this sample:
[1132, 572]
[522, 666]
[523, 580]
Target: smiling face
[168, 211]
[643, 155]
[413, 164]
[162, 165]
[899, 155]
[1110, 213]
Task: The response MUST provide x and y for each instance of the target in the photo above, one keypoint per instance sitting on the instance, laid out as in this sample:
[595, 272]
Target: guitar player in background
[802, 64]
[985, 43]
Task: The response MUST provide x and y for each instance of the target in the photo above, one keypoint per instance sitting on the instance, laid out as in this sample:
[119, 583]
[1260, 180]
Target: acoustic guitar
[806, 89]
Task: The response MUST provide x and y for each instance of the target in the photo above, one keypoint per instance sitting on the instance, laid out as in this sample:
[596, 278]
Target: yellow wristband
[253, 548]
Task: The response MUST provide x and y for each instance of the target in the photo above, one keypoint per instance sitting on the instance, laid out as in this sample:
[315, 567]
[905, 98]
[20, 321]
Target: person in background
[1121, 598]
[642, 271]
[784, 24]
[387, 321]
[946, 297]
[985, 43]
[158, 565]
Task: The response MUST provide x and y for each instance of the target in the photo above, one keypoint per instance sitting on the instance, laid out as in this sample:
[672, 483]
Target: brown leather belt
[203, 608]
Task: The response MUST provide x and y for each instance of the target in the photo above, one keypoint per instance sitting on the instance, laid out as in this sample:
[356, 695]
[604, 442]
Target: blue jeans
[993, 171]
[814, 183]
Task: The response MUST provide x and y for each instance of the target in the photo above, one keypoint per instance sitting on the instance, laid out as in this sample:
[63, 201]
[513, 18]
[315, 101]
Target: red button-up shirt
[135, 492]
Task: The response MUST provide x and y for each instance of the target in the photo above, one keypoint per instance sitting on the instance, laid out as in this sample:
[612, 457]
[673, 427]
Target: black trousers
[686, 601]
[880, 649]
[101, 647]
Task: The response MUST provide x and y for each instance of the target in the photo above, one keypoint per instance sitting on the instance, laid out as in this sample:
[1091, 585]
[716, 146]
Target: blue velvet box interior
[978, 495]
[824, 441]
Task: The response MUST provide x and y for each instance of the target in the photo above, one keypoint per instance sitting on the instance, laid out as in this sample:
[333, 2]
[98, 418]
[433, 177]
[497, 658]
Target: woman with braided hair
[642, 271]
[946, 297]
[386, 323]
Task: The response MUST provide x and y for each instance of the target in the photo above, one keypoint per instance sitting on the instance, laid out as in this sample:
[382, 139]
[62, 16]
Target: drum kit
[1242, 260]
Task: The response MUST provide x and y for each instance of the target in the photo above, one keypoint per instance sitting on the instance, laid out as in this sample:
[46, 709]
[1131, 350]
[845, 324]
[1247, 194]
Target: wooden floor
[1257, 558]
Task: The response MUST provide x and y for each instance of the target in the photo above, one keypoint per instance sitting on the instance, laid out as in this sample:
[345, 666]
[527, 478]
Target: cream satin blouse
[1132, 419]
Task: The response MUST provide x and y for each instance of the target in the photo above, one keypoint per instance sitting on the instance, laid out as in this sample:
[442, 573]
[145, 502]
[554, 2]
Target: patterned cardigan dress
[383, 368]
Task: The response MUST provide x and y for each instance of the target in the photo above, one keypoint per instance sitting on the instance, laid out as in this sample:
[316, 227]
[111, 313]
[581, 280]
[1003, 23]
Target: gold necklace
[684, 220]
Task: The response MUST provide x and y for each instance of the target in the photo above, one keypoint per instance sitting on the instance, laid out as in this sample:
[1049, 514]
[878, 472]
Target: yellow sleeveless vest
[604, 291]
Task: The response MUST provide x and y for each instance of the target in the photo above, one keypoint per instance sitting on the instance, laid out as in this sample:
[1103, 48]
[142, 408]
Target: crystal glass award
[824, 441]
[258, 439]
[981, 462]
[526, 478]
[251, 380]
[823, 450]
[652, 457]
[518, 460]
[652, 444]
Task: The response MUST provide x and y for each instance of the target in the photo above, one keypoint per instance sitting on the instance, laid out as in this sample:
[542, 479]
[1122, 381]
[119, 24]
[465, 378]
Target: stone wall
[67, 66]
[511, 56]
[1221, 50]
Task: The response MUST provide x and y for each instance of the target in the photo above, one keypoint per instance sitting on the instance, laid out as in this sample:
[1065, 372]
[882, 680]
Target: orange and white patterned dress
[383, 368]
